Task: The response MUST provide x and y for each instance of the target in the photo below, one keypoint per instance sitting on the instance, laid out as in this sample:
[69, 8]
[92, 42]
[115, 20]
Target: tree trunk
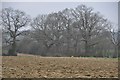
[12, 50]
[68, 47]
[115, 52]
[57, 48]
[86, 49]
[75, 47]
[46, 51]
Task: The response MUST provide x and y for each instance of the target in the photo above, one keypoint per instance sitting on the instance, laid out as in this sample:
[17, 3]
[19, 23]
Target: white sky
[108, 9]
[60, 0]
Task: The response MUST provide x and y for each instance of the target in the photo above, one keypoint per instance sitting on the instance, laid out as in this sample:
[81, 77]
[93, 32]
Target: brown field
[58, 67]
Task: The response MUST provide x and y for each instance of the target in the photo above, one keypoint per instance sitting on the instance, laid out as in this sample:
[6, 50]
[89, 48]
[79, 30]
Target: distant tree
[68, 28]
[90, 25]
[13, 21]
[48, 30]
[114, 36]
[113, 31]
[41, 32]
[119, 42]
[57, 23]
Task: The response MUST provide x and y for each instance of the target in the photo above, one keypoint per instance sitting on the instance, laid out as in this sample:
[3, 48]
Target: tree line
[71, 32]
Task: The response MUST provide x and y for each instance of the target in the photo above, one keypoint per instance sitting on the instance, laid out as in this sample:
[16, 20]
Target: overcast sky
[108, 9]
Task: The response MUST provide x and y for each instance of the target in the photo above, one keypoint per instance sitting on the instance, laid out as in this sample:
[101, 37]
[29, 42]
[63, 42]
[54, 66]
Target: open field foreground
[58, 67]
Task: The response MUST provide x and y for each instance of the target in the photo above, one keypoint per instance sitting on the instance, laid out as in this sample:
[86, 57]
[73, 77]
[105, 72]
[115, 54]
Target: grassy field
[26, 66]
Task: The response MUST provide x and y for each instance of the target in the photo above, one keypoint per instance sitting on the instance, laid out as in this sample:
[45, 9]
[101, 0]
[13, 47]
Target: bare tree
[41, 32]
[113, 31]
[13, 21]
[57, 23]
[90, 25]
[68, 27]
[49, 30]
